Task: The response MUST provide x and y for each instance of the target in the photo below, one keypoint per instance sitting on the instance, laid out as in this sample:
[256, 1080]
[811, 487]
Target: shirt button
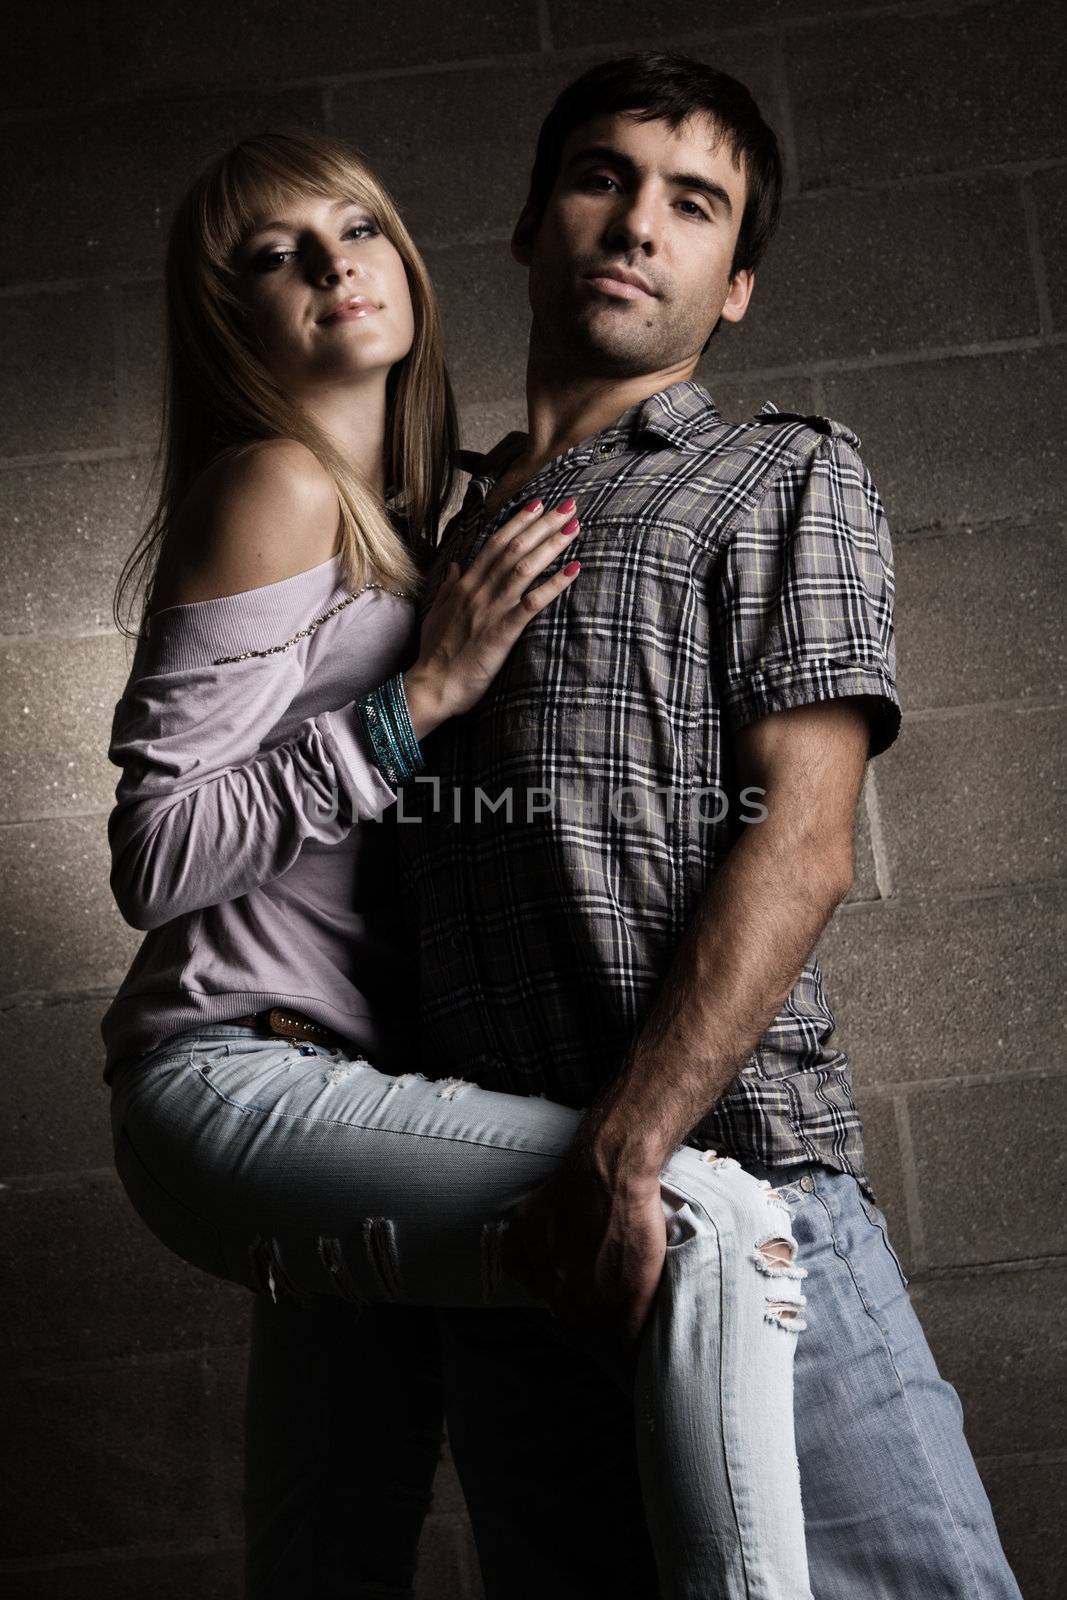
[605, 449]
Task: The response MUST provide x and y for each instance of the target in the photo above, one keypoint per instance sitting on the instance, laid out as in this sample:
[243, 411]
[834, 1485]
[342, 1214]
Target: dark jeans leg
[544, 1447]
[343, 1435]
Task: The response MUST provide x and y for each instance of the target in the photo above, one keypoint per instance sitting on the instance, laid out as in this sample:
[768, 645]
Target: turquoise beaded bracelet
[387, 721]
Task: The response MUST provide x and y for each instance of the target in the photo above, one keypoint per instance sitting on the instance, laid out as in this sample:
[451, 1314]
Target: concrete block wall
[915, 292]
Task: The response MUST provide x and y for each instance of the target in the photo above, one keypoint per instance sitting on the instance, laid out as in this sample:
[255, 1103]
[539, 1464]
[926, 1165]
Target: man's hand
[593, 1250]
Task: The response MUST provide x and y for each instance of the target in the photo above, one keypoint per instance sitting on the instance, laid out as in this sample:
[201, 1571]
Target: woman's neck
[353, 419]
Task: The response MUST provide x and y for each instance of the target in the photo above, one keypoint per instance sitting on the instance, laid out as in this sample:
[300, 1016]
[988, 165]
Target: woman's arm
[203, 814]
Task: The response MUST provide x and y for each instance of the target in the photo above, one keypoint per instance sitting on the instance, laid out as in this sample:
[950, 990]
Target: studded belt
[279, 1024]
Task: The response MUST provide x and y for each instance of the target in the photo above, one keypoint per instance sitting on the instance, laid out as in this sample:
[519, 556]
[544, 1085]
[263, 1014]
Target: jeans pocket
[877, 1219]
[189, 1235]
[681, 1227]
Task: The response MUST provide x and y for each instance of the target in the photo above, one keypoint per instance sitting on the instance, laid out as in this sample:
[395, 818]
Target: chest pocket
[583, 650]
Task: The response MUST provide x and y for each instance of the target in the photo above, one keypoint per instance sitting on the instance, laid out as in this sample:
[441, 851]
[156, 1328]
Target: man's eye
[595, 179]
[694, 210]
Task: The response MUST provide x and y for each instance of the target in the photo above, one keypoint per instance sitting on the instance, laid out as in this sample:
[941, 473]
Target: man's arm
[757, 924]
[592, 1240]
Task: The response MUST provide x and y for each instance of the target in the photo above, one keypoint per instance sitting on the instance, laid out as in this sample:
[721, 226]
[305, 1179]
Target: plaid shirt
[566, 827]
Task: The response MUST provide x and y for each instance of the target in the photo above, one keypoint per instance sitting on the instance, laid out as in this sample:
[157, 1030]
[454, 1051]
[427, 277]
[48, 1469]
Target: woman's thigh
[300, 1170]
[304, 1171]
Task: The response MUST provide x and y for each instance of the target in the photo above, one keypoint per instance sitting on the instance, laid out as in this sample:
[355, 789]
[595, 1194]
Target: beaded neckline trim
[304, 633]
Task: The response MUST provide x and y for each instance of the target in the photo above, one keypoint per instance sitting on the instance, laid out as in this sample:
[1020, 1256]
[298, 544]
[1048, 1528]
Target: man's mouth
[621, 284]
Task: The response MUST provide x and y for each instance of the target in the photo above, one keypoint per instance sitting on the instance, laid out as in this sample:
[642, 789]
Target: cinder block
[740, 396]
[972, 439]
[708, 32]
[979, 616]
[862, 274]
[94, 1283]
[144, 338]
[933, 988]
[178, 43]
[63, 928]
[640, 23]
[447, 1491]
[107, 1458]
[864, 881]
[1027, 1499]
[1000, 1338]
[1049, 189]
[486, 318]
[885, 96]
[44, 64]
[225, 1378]
[881, 1144]
[70, 527]
[988, 1164]
[482, 426]
[95, 190]
[58, 390]
[404, 124]
[57, 700]
[441, 1573]
[53, 1104]
[970, 801]
[214, 1575]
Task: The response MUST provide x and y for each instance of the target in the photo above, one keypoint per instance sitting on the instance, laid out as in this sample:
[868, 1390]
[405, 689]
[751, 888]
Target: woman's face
[327, 293]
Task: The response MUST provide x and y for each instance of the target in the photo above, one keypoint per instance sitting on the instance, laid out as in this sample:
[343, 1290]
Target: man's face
[630, 266]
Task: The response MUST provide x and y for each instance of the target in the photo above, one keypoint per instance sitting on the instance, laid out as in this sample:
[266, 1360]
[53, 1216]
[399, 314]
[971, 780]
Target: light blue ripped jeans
[301, 1171]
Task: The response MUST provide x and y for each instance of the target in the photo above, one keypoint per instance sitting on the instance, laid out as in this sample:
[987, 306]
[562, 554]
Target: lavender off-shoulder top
[245, 836]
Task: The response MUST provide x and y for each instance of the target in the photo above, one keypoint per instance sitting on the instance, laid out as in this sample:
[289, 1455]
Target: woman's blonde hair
[219, 394]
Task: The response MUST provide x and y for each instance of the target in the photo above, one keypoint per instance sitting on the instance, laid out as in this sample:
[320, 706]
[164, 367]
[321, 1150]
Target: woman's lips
[365, 308]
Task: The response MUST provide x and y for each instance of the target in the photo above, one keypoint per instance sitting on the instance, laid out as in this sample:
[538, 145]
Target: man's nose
[634, 226]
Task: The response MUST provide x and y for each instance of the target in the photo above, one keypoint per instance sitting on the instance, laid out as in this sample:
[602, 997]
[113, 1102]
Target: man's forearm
[756, 925]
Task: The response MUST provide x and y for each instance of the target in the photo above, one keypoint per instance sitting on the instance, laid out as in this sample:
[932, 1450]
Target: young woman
[269, 1124]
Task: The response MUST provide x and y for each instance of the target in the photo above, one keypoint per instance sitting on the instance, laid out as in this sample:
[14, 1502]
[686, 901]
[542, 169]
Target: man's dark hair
[662, 85]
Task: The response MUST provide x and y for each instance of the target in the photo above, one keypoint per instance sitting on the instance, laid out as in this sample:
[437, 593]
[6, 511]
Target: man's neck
[565, 407]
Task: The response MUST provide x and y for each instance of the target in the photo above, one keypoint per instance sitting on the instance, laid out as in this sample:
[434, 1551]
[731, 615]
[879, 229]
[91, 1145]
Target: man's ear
[741, 287]
[522, 240]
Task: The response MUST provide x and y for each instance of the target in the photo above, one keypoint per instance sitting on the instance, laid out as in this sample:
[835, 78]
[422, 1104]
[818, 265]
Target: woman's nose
[333, 270]
[329, 265]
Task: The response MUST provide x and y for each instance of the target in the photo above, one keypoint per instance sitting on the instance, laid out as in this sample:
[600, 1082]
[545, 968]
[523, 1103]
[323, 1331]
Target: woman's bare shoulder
[253, 517]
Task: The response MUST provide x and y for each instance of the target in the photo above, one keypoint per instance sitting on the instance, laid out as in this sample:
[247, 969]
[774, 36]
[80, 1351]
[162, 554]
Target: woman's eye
[271, 260]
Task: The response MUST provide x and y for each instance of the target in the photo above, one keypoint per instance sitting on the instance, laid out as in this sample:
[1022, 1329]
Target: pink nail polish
[566, 505]
[535, 505]
[571, 568]
[570, 528]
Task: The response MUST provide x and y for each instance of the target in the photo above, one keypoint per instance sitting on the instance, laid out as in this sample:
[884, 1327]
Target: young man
[630, 848]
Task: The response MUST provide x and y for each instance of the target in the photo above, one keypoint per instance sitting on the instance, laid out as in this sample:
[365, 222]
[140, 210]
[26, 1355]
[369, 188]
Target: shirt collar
[676, 418]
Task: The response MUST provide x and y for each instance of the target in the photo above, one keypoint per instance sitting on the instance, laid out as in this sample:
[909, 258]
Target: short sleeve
[803, 599]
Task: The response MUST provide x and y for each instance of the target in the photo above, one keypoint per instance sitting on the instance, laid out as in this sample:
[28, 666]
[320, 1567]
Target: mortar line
[1045, 320]
[787, 142]
[910, 1177]
[879, 848]
[958, 1080]
[544, 27]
